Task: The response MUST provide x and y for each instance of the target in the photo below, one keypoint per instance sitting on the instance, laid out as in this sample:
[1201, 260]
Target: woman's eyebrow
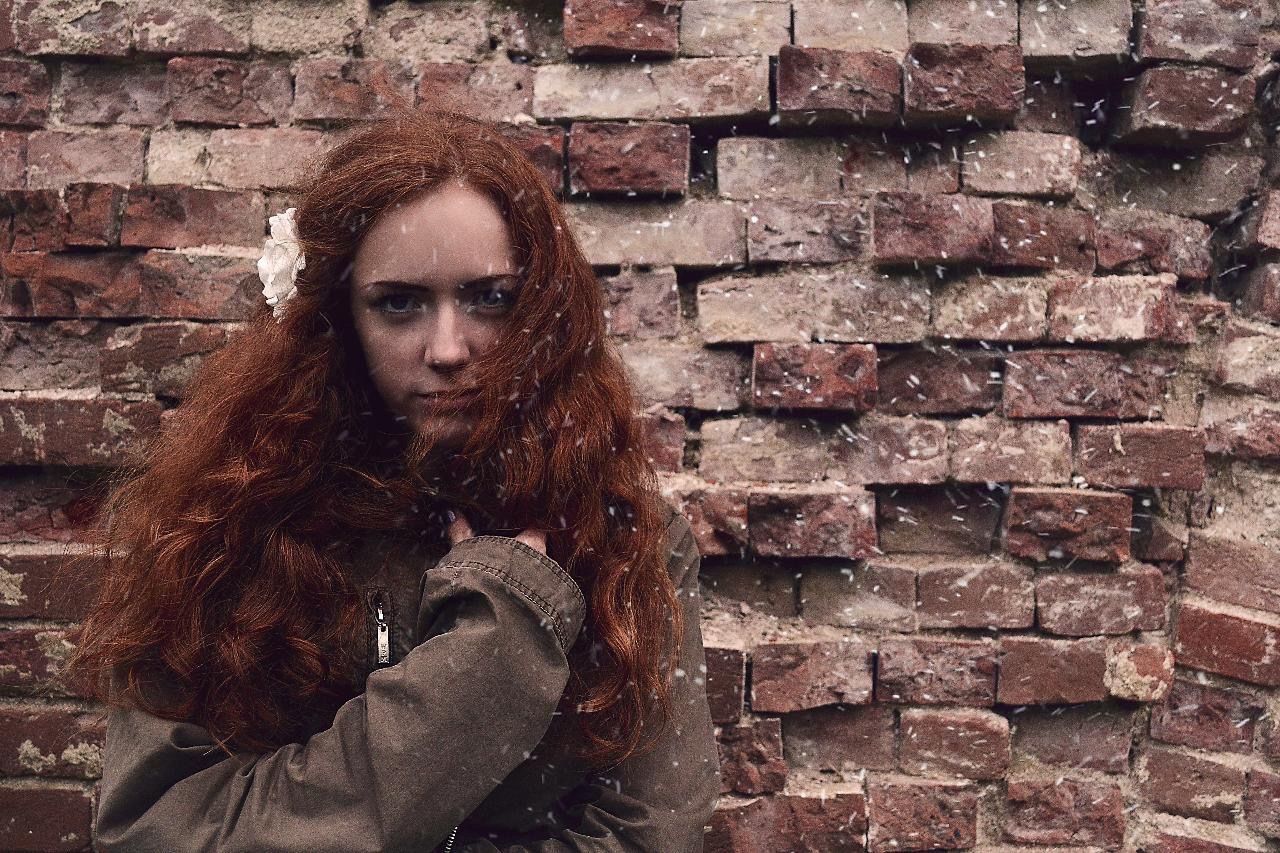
[484, 279]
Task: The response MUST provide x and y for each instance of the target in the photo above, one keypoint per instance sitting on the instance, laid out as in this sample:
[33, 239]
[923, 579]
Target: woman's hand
[460, 529]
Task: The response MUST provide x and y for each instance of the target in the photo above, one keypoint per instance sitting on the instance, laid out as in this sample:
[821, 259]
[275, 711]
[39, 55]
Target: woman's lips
[437, 401]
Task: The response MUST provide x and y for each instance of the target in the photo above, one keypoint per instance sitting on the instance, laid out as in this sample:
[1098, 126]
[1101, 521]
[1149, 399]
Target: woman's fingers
[535, 539]
[459, 528]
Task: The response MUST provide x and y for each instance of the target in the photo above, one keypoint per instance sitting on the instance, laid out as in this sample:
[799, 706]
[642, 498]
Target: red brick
[820, 87]
[871, 594]
[834, 822]
[936, 672]
[1112, 308]
[1072, 383]
[1261, 294]
[840, 738]
[1017, 162]
[950, 83]
[1036, 671]
[1259, 229]
[498, 91]
[51, 742]
[1247, 357]
[1063, 523]
[1049, 105]
[157, 358]
[45, 586]
[107, 93]
[55, 431]
[1182, 106]
[56, 354]
[769, 449]
[1220, 32]
[814, 376]
[785, 524]
[62, 27]
[662, 439]
[1139, 671]
[13, 159]
[1131, 240]
[1123, 456]
[994, 449]
[1187, 838]
[621, 28]
[544, 147]
[794, 676]
[175, 216]
[1086, 737]
[914, 227]
[1206, 185]
[328, 88]
[1241, 427]
[952, 519]
[719, 519]
[650, 158]
[1234, 643]
[881, 448]
[93, 214]
[56, 158]
[796, 230]
[943, 21]
[45, 819]
[24, 92]
[207, 287]
[209, 90]
[751, 759]
[942, 381]
[754, 587]
[1262, 802]
[164, 28]
[1042, 237]
[1079, 604]
[976, 595]
[980, 307]
[1191, 785]
[921, 815]
[1207, 717]
[1234, 571]
[1065, 811]
[38, 506]
[954, 742]
[39, 220]
[726, 683]
[33, 658]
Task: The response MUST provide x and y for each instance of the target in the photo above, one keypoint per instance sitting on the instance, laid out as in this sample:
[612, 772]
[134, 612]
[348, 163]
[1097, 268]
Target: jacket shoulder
[681, 547]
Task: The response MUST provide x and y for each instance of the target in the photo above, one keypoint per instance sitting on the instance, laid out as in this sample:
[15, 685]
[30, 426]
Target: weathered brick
[819, 87]
[794, 676]
[45, 818]
[1079, 604]
[768, 449]
[1070, 383]
[751, 759]
[57, 431]
[24, 85]
[47, 741]
[718, 516]
[726, 683]
[214, 26]
[33, 658]
[812, 524]
[253, 158]
[544, 146]
[1207, 717]
[715, 87]
[853, 25]
[1221, 32]
[1191, 785]
[840, 738]
[909, 228]
[1082, 36]
[1037, 671]
[174, 216]
[285, 26]
[1132, 240]
[93, 214]
[157, 358]
[1139, 671]
[101, 93]
[947, 380]
[327, 88]
[1086, 737]
[1046, 522]
[1260, 225]
[621, 28]
[1112, 308]
[990, 308]
[936, 672]
[869, 594]
[662, 439]
[768, 307]
[57, 354]
[691, 233]
[1182, 106]
[835, 820]
[497, 91]
[39, 220]
[749, 167]
[101, 28]
[991, 448]
[881, 448]
[976, 595]
[1244, 428]
[855, 304]
[753, 587]
[636, 159]
[1229, 641]
[796, 230]
[447, 31]
[953, 83]
[1064, 811]
[1180, 835]
[38, 506]
[56, 158]
[954, 742]
[921, 814]
[952, 519]
[36, 584]
[1235, 571]
[1042, 237]
[734, 27]
[209, 90]
[1205, 185]
[1123, 456]
[946, 22]
[13, 159]
[872, 164]
[1262, 802]
[198, 287]
[642, 303]
[1016, 162]
[1049, 105]
[814, 376]
[678, 374]
[1247, 359]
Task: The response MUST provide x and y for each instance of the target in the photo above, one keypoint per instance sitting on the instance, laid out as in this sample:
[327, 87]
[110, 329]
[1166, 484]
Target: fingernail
[449, 514]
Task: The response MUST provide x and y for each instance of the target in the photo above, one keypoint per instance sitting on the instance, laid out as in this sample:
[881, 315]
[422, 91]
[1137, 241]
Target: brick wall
[959, 319]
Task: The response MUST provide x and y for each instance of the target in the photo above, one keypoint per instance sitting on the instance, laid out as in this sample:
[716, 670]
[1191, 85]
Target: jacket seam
[529, 593]
[551, 564]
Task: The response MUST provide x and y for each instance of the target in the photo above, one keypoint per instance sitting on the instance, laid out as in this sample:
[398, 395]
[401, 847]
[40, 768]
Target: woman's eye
[392, 303]
[495, 297]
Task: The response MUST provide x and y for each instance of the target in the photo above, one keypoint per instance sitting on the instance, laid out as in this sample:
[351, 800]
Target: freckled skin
[423, 338]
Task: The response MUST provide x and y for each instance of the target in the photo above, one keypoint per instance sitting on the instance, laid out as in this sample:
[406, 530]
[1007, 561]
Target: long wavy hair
[226, 576]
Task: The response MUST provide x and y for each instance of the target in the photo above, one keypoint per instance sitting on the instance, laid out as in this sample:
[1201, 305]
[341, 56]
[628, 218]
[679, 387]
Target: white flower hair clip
[281, 261]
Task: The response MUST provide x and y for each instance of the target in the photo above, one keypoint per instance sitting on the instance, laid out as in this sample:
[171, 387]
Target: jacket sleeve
[659, 801]
[400, 765]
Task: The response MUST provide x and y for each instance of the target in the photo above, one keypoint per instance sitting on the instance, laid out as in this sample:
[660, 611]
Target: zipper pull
[384, 636]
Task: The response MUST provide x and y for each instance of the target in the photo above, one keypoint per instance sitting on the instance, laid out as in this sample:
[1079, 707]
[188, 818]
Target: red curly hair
[226, 573]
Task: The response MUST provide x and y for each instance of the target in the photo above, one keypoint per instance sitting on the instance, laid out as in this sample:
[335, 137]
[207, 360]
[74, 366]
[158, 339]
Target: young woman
[397, 575]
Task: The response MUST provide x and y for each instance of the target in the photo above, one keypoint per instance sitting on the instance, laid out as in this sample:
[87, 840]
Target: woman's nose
[446, 343]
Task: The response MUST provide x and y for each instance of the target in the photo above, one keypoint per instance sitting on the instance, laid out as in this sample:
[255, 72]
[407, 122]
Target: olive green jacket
[466, 662]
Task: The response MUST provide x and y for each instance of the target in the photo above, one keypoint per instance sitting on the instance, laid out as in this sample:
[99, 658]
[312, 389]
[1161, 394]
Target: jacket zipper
[452, 835]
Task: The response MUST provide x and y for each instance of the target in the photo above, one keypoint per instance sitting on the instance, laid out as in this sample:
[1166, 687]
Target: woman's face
[432, 284]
